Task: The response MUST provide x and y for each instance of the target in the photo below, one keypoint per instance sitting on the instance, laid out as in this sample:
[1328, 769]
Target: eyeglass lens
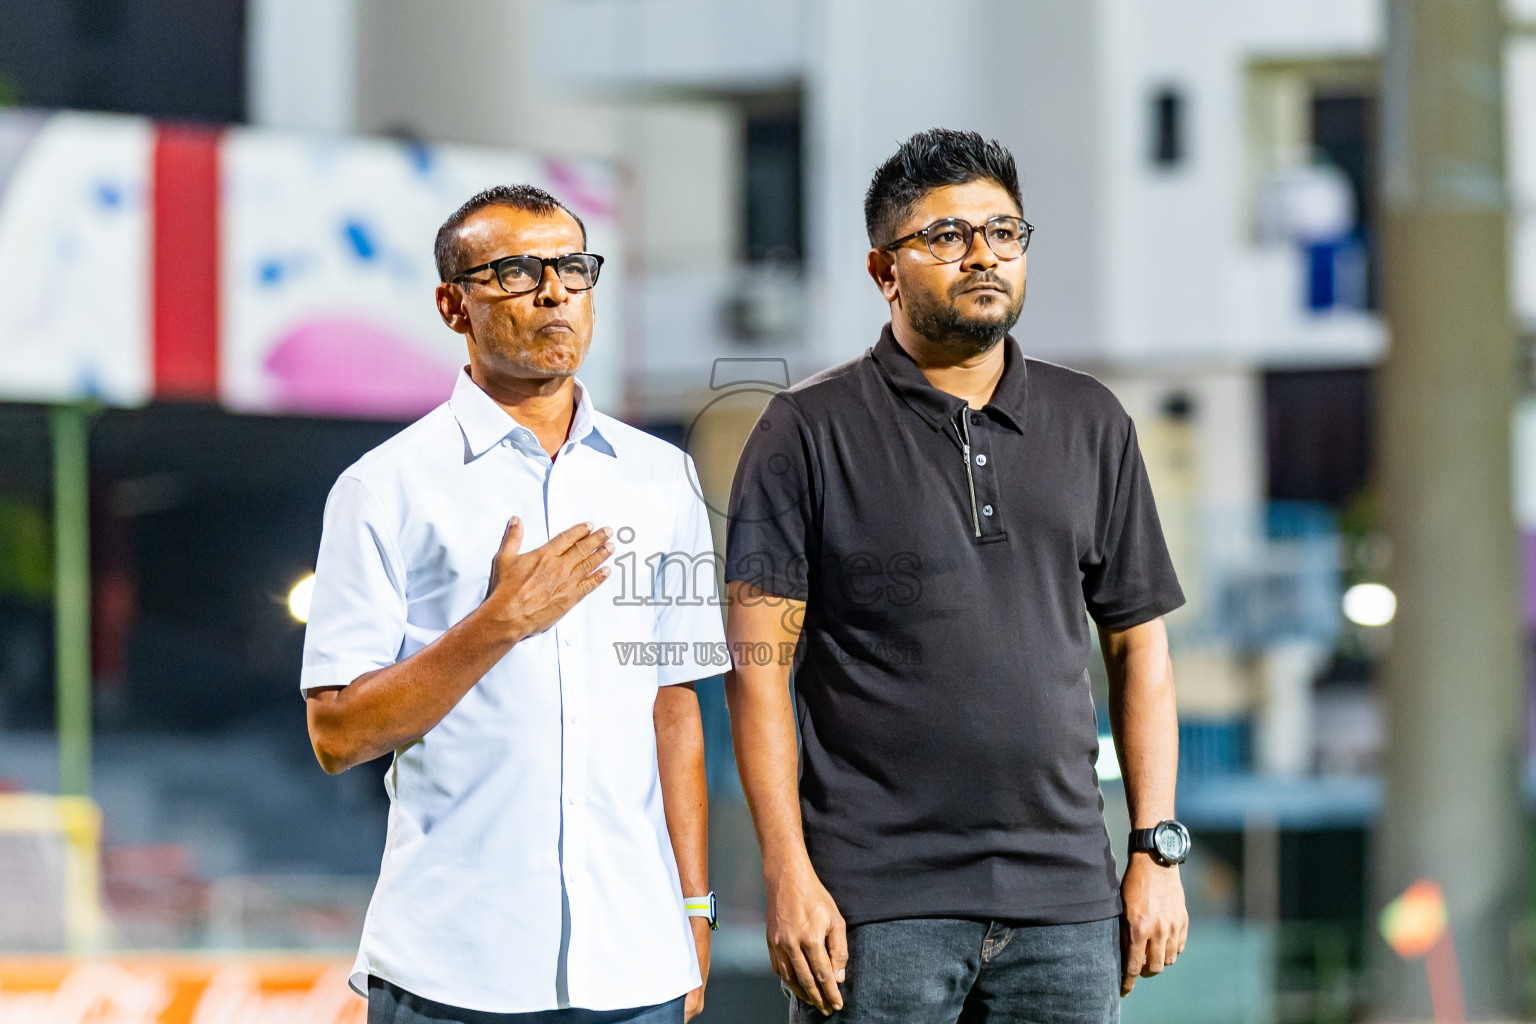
[577, 272]
[949, 240]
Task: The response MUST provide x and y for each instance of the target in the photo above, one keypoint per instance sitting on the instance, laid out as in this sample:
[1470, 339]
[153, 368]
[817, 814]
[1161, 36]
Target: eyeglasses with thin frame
[518, 275]
[950, 239]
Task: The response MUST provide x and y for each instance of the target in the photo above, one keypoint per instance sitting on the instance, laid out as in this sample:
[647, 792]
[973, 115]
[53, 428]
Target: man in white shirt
[547, 848]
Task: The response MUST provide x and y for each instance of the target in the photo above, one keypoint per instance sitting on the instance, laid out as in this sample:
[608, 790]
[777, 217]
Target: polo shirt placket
[981, 481]
[575, 739]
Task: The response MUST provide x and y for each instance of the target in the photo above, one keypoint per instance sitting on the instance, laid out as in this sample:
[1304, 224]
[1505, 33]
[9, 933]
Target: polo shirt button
[986, 510]
[981, 460]
[975, 417]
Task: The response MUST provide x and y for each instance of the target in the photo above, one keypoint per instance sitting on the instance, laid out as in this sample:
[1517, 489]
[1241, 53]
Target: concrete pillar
[301, 64]
[1452, 683]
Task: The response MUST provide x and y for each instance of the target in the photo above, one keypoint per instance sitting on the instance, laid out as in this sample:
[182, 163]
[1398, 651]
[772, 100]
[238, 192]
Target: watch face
[1172, 841]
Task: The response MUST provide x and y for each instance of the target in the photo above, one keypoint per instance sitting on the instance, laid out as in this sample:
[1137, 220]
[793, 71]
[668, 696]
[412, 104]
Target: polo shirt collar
[939, 407]
[486, 424]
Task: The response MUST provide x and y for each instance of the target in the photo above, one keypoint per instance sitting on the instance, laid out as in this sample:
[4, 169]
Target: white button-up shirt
[528, 865]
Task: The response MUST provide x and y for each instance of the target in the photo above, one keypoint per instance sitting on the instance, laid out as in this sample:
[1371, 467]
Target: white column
[301, 64]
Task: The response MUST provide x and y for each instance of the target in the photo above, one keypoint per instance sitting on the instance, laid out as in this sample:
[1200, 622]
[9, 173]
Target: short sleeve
[687, 592]
[1128, 577]
[357, 614]
[771, 538]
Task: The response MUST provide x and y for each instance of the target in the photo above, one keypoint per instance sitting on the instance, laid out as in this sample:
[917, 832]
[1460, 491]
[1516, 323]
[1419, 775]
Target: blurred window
[1317, 426]
[774, 188]
[1344, 131]
[1168, 128]
[1309, 120]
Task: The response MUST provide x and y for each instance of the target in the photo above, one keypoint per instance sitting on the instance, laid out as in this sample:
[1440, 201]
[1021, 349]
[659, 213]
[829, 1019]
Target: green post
[70, 425]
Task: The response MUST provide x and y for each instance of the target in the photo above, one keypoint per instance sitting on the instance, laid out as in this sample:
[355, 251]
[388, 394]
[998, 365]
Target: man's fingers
[563, 541]
[1156, 947]
[512, 537]
[1134, 961]
[592, 582]
[598, 556]
[780, 964]
[1135, 955]
[585, 546]
[821, 967]
[837, 945]
[804, 979]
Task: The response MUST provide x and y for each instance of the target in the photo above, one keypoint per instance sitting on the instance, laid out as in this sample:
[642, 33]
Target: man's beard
[945, 326]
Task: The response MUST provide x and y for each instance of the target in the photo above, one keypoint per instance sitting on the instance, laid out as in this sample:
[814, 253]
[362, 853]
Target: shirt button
[981, 460]
[570, 801]
[506, 442]
[566, 641]
[986, 510]
[976, 417]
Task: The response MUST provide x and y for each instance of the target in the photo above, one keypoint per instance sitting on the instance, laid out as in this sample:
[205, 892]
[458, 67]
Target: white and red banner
[272, 272]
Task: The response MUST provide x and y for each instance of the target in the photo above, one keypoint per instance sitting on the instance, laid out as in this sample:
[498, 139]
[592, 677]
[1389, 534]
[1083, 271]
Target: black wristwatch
[1167, 842]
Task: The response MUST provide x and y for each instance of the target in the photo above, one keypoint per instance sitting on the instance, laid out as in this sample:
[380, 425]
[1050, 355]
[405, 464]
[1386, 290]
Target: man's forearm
[684, 787]
[390, 707]
[763, 723]
[1144, 719]
[767, 757]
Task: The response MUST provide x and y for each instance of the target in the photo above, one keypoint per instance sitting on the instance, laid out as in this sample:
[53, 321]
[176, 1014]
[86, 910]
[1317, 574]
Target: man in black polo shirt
[929, 528]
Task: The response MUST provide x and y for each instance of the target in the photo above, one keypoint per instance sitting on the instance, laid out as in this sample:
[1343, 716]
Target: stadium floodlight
[1369, 604]
[299, 597]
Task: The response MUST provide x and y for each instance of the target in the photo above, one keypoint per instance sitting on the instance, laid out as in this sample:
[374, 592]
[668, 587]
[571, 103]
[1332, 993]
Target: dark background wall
[176, 59]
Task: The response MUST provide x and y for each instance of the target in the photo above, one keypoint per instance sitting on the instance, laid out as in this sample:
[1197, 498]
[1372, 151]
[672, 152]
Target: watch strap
[1143, 840]
[702, 906]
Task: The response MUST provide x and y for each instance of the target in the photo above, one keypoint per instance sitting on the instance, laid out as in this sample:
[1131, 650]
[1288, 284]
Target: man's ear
[450, 306]
[881, 264]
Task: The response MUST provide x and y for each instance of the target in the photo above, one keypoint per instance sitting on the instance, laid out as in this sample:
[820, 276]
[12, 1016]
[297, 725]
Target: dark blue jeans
[388, 1003]
[947, 971]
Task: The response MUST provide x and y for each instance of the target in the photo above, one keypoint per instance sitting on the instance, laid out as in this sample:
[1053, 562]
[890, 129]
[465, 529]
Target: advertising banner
[179, 989]
[272, 272]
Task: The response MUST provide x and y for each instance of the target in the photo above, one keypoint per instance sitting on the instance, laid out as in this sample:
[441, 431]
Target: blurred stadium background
[215, 293]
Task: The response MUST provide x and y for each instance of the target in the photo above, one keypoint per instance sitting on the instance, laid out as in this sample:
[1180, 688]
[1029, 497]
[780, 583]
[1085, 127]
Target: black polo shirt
[948, 733]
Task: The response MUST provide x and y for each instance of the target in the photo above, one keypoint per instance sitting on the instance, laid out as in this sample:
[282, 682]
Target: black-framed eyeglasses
[518, 275]
[950, 239]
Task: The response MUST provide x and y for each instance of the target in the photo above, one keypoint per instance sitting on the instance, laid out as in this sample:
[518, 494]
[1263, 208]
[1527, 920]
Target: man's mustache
[984, 277]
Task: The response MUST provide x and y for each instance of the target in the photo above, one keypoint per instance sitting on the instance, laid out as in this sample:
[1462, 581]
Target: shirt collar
[940, 407]
[485, 424]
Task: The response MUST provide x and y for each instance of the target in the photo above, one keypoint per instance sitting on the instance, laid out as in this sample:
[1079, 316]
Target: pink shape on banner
[339, 367]
[574, 188]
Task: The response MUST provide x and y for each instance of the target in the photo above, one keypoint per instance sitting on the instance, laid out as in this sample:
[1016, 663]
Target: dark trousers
[948, 971]
[388, 1003]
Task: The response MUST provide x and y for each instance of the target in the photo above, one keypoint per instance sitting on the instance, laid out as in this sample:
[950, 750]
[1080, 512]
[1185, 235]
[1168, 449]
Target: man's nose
[551, 292]
[980, 255]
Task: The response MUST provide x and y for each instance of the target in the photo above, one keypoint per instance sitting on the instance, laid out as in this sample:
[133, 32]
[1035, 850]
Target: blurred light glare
[1108, 764]
[299, 597]
[1369, 604]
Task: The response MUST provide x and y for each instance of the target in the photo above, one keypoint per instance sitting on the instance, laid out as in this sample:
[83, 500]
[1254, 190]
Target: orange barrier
[178, 989]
